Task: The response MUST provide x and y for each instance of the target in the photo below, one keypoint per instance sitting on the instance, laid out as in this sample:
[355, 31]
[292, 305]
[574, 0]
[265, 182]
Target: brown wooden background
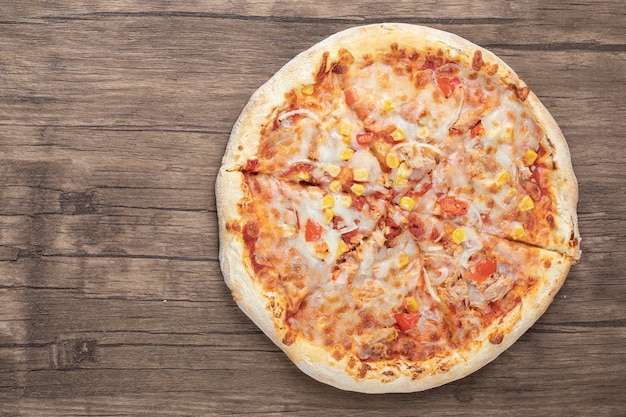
[113, 119]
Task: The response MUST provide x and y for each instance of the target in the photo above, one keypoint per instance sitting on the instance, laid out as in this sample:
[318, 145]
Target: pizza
[396, 208]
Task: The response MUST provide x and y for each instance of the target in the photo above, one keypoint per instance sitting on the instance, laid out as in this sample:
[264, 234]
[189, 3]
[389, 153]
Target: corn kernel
[393, 335]
[307, 90]
[407, 203]
[398, 135]
[511, 192]
[303, 176]
[403, 260]
[458, 235]
[517, 232]
[342, 247]
[400, 182]
[333, 170]
[504, 177]
[404, 171]
[328, 214]
[526, 204]
[346, 200]
[410, 305]
[388, 105]
[392, 160]
[288, 230]
[328, 201]
[343, 127]
[360, 174]
[346, 154]
[347, 139]
[530, 157]
[357, 189]
[335, 186]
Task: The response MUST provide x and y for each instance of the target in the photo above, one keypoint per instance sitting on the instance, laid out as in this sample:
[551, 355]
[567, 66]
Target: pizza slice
[504, 176]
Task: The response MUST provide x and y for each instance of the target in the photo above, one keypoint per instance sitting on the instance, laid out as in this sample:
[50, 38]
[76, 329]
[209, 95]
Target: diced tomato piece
[351, 96]
[454, 207]
[406, 321]
[312, 231]
[447, 85]
[477, 130]
[364, 139]
[481, 271]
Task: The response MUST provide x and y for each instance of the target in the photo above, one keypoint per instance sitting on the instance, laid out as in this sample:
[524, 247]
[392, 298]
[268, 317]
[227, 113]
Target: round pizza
[396, 208]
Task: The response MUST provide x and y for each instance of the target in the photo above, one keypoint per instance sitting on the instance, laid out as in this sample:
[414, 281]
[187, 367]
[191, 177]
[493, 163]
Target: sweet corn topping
[346, 200]
[347, 139]
[303, 176]
[404, 171]
[410, 305]
[346, 154]
[328, 201]
[343, 128]
[360, 174]
[335, 186]
[392, 160]
[333, 170]
[328, 214]
[511, 192]
[504, 177]
[393, 335]
[398, 135]
[526, 204]
[458, 235]
[400, 182]
[357, 188]
[307, 90]
[530, 157]
[518, 232]
[388, 105]
[342, 247]
[407, 203]
[288, 230]
[403, 260]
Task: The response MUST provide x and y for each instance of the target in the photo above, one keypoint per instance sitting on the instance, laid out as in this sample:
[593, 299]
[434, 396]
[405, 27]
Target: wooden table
[113, 119]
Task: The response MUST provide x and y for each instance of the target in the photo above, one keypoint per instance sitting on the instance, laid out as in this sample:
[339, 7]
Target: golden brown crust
[564, 179]
[261, 307]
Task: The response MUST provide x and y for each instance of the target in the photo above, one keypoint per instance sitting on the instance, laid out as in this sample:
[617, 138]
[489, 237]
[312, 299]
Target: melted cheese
[360, 284]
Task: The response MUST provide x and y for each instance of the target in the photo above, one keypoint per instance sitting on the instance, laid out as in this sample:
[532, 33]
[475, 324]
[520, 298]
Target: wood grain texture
[113, 120]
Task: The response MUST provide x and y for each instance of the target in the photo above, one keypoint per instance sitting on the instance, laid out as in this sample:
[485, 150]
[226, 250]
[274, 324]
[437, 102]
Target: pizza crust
[250, 297]
[565, 179]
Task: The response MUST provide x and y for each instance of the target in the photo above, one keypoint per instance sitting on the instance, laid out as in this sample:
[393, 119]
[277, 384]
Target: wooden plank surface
[113, 119]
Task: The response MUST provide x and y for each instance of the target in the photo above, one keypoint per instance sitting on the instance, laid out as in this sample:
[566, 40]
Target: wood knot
[77, 202]
[72, 354]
